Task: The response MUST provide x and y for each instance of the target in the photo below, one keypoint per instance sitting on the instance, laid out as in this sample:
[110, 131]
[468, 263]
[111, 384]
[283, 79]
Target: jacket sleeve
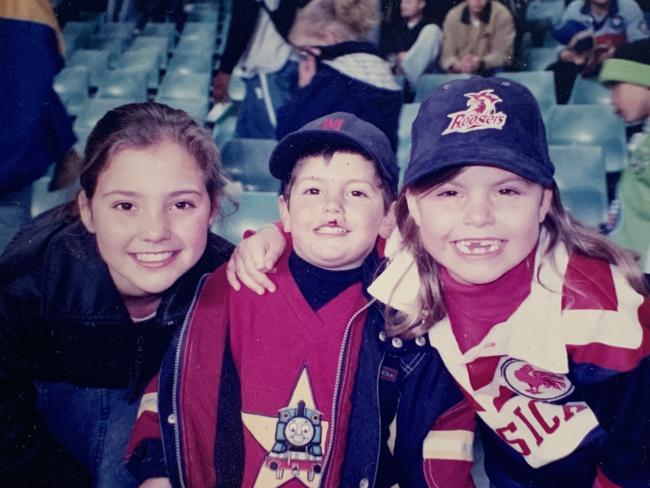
[447, 449]
[29, 454]
[504, 39]
[244, 16]
[145, 455]
[621, 402]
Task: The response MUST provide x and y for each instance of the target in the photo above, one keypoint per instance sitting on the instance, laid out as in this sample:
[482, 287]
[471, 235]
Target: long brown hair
[560, 227]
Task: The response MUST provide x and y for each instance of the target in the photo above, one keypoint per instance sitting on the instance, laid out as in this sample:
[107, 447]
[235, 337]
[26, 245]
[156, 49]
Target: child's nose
[333, 204]
[479, 212]
[155, 226]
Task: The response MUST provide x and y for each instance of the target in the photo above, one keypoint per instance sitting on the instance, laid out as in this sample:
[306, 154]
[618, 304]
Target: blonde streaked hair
[560, 227]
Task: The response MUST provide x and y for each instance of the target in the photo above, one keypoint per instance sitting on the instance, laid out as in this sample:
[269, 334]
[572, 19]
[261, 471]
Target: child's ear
[545, 205]
[412, 204]
[85, 212]
[283, 207]
[388, 222]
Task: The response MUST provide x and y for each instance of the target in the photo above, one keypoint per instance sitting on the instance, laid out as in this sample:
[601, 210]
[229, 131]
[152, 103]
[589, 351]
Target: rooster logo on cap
[481, 113]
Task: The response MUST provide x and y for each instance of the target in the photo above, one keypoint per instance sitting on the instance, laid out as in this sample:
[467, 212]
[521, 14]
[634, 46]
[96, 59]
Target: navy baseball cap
[337, 128]
[485, 121]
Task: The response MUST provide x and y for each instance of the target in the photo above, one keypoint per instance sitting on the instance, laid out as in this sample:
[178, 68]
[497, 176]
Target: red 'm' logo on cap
[332, 124]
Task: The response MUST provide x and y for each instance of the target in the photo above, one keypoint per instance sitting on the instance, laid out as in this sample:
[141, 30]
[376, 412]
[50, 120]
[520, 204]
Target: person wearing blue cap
[308, 358]
[543, 323]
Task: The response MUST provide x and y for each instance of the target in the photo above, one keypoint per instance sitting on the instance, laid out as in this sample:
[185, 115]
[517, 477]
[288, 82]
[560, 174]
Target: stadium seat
[224, 130]
[184, 62]
[142, 60]
[590, 125]
[190, 86]
[538, 58]
[540, 83]
[589, 92]
[544, 14]
[113, 45]
[124, 83]
[428, 82]
[255, 210]
[71, 84]
[164, 29]
[406, 118]
[157, 44]
[94, 60]
[94, 109]
[580, 173]
[247, 161]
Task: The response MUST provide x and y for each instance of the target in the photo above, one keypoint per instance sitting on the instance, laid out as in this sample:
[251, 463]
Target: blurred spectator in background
[341, 70]
[590, 31]
[627, 73]
[36, 130]
[479, 38]
[412, 45]
[258, 45]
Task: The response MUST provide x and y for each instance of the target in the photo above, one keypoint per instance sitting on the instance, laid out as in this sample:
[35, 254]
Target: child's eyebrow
[134, 194]
[347, 182]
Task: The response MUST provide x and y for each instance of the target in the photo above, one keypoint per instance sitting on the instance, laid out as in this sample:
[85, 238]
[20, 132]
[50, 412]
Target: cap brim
[289, 149]
[498, 156]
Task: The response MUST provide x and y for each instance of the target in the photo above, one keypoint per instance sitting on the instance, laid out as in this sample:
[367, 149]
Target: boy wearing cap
[628, 75]
[307, 359]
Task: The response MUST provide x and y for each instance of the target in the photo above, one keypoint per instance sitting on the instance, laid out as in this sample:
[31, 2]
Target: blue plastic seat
[185, 62]
[142, 59]
[544, 14]
[95, 108]
[538, 58]
[156, 44]
[224, 130]
[588, 91]
[94, 60]
[190, 86]
[124, 83]
[71, 84]
[247, 161]
[255, 210]
[406, 118]
[430, 81]
[590, 125]
[581, 177]
[540, 83]
[162, 29]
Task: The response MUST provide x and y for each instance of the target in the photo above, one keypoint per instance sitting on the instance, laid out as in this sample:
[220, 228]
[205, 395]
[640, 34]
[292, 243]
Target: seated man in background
[412, 45]
[478, 38]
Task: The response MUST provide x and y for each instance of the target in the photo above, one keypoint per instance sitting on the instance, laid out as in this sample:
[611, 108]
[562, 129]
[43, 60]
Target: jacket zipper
[177, 361]
[378, 450]
[337, 384]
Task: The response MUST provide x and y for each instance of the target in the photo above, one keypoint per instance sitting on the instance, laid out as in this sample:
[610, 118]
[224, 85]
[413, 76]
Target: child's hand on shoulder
[156, 483]
[254, 257]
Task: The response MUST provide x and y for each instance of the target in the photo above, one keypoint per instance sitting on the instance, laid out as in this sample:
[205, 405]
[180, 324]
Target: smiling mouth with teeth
[153, 257]
[333, 230]
[478, 246]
